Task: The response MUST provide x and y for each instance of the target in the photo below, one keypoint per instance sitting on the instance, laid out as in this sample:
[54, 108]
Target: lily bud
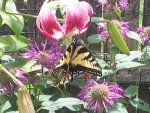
[24, 102]
[117, 38]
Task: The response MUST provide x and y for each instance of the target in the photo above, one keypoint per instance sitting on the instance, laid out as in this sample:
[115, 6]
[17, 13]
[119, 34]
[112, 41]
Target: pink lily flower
[77, 20]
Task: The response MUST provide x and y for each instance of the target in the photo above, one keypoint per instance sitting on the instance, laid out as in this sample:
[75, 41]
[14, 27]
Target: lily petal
[77, 16]
[47, 23]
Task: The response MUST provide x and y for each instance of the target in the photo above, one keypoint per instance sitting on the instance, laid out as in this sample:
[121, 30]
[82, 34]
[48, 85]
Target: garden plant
[63, 73]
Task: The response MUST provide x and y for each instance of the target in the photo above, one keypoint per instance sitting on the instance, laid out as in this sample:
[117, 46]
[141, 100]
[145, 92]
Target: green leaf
[94, 38]
[146, 50]
[10, 6]
[7, 58]
[79, 83]
[117, 108]
[15, 22]
[107, 72]
[13, 112]
[16, 43]
[61, 102]
[4, 42]
[96, 19]
[1, 52]
[15, 63]
[51, 111]
[0, 21]
[6, 106]
[114, 51]
[135, 36]
[125, 58]
[132, 90]
[3, 99]
[127, 65]
[44, 97]
[118, 13]
[77, 107]
[101, 62]
[140, 104]
[27, 66]
[30, 66]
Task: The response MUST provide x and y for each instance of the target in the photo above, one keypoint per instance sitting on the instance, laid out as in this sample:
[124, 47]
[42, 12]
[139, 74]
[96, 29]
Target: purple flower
[20, 74]
[144, 33]
[8, 89]
[100, 94]
[113, 4]
[8, 85]
[48, 58]
[122, 26]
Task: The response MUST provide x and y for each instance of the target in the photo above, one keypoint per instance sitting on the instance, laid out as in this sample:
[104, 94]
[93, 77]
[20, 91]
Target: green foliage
[118, 13]
[30, 66]
[4, 43]
[101, 62]
[0, 21]
[125, 58]
[52, 94]
[135, 36]
[14, 42]
[1, 52]
[140, 104]
[114, 51]
[107, 72]
[96, 20]
[117, 108]
[125, 62]
[131, 91]
[127, 65]
[146, 50]
[10, 19]
[94, 38]
[61, 102]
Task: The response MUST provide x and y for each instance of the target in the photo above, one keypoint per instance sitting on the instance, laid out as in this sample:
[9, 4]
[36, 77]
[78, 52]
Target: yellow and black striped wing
[77, 59]
[83, 61]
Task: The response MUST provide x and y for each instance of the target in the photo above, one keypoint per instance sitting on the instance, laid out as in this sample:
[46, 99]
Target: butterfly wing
[83, 61]
[65, 60]
[77, 59]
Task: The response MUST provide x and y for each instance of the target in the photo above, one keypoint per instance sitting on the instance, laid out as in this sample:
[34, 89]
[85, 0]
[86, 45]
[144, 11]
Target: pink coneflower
[45, 57]
[144, 33]
[100, 94]
[122, 26]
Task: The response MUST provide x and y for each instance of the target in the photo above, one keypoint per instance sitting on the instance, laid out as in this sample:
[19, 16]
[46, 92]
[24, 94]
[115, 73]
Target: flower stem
[100, 110]
[4, 4]
[19, 83]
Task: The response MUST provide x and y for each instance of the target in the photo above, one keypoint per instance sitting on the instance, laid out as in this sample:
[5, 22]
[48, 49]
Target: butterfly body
[77, 59]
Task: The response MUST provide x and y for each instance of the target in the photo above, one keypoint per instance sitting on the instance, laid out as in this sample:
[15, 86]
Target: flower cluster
[122, 26]
[113, 4]
[100, 94]
[8, 85]
[77, 18]
[144, 33]
[47, 58]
